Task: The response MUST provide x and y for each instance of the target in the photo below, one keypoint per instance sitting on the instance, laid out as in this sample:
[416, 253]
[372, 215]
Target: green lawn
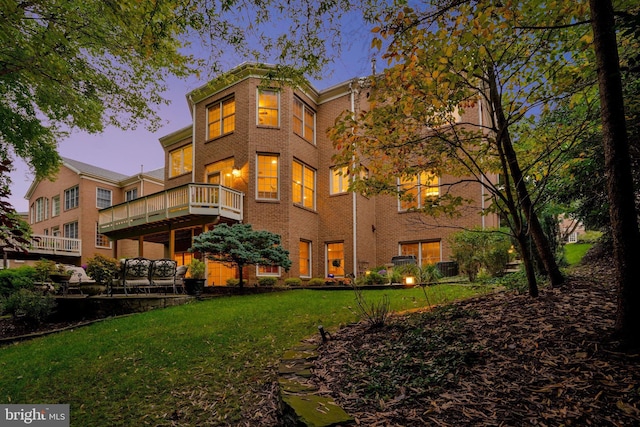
[575, 251]
[194, 364]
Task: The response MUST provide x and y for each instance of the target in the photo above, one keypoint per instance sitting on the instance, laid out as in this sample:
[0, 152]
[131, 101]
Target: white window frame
[101, 238]
[303, 121]
[182, 169]
[277, 109]
[55, 206]
[303, 186]
[71, 198]
[309, 260]
[103, 199]
[419, 200]
[277, 197]
[259, 274]
[221, 121]
[131, 194]
[343, 180]
[68, 227]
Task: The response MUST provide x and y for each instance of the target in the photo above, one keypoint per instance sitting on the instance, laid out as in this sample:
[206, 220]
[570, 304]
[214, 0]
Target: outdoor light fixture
[409, 280]
[236, 172]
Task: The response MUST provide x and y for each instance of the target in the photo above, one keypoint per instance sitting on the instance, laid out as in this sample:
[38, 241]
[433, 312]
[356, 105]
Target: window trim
[277, 109]
[72, 197]
[278, 274]
[270, 199]
[65, 228]
[100, 238]
[327, 260]
[309, 259]
[303, 120]
[221, 120]
[98, 189]
[303, 186]
[183, 170]
[419, 200]
[133, 191]
[55, 212]
[344, 181]
[419, 256]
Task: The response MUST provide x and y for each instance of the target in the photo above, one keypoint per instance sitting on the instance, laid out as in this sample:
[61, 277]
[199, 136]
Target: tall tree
[240, 245]
[510, 59]
[623, 216]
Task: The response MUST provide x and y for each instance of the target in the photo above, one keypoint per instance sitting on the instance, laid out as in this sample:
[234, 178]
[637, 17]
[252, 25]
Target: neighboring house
[570, 229]
[63, 214]
[260, 155]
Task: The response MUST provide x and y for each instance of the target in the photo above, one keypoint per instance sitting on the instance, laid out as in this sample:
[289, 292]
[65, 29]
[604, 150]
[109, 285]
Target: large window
[220, 172]
[131, 194]
[304, 120]
[55, 206]
[268, 270]
[181, 160]
[103, 198]
[305, 258]
[335, 259]
[339, 180]
[102, 241]
[268, 108]
[221, 118]
[304, 185]
[267, 177]
[425, 252]
[71, 230]
[419, 190]
[71, 198]
[41, 207]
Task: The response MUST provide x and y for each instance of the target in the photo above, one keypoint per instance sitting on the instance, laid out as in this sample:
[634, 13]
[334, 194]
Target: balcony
[54, 245]
[182, 206]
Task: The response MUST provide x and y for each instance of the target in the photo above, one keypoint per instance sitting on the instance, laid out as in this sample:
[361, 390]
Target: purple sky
[127, 151]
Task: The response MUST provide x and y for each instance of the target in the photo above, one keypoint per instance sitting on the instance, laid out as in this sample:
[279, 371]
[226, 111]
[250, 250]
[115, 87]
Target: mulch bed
[498, 360]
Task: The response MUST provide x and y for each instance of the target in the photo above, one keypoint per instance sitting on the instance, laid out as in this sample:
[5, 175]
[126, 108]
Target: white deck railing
[189, 199]
[55, 245]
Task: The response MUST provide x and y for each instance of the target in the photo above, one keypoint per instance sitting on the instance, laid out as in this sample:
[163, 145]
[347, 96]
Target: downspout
[353, 197]
[193, 139]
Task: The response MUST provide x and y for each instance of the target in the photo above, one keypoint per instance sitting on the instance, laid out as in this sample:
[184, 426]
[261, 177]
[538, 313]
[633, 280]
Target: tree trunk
[622, 212]
[240, 271]
[526, 205]
[527, 260]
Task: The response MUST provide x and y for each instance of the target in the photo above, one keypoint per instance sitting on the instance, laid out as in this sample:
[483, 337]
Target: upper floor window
[304, 120]
[181, 161]
[304, 185]
[221, 118]
[220, 172]
[339, 180]
[71, 198]
[419, 190]
[103, 198]
[131, 194]
[268, 107]
[55, 206]
[41, 207]
[71, 230]
[268, 184]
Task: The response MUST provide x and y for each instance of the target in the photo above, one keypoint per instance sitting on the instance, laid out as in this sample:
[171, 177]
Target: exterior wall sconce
[236, 172]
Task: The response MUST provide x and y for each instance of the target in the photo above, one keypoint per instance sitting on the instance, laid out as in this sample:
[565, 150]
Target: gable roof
[86, 169]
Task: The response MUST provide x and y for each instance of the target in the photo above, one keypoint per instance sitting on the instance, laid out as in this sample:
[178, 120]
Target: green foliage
[231, 281]
[373, 278]
[14, 279]
[239, 245]
[14, 232]
[316, 281]
[29, 306]
[575, 252]
[103, 269]
[591, 237]
[516, 281]
[476, 249]
[44, 268]
[427, 274]
[196, 269]
[293, 281]
[267, 281]
[373, 312]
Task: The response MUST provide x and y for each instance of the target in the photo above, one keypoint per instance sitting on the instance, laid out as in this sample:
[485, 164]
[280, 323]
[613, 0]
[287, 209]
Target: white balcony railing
[189, 199]
[55, 245]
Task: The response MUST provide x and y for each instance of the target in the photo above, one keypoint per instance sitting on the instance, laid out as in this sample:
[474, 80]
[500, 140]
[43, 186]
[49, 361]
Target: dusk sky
[127, 152]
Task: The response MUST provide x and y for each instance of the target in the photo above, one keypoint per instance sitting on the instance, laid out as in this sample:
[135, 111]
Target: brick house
[63, 213]
[260, 155]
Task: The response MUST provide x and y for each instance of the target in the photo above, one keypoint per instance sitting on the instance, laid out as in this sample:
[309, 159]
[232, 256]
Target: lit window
[268, 270]
[221, 118]
[420, 189]
[267, 177]
[304, 185]
[103, 198]
[131, 194]
[305, 258]
[55, 206]
[335, 259]
[71, 230]
[181, 160]
[220, 172]
[71, 198]
[268, 107]
[102, 241]
[304, 121]
[425, 252]
[339, 180]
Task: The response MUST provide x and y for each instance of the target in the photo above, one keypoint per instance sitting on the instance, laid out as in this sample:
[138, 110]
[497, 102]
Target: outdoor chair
[78, 277]
[162, 274]
[136, 275]
[181, 272]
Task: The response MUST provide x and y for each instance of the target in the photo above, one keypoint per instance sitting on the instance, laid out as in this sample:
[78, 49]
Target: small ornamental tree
[239, 245]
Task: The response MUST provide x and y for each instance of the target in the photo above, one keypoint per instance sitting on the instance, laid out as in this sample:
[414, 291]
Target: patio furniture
[136, 275]
[162, 274]
[181, 272]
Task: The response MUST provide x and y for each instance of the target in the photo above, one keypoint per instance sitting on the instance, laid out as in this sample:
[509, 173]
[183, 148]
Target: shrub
[514, 281]
[30, 306]
[590, 237]
[476, 249]
[103, 269]
[375, 313]
[316, 281]
[14, 279]
[267, 281]
[233, 282]
[374, 278]
[292, 281]
[44, 268]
